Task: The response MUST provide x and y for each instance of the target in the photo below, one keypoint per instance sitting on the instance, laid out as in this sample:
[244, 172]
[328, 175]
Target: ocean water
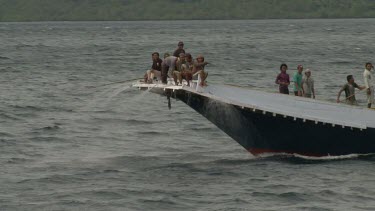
[70, 141]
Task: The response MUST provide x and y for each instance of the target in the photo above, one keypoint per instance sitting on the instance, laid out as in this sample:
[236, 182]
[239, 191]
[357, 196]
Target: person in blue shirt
[297, 79]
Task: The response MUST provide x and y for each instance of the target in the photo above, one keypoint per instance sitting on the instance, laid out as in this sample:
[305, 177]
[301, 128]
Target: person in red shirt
[283, 80]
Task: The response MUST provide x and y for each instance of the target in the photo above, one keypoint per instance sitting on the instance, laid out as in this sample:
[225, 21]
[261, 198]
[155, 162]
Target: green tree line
[92, 10]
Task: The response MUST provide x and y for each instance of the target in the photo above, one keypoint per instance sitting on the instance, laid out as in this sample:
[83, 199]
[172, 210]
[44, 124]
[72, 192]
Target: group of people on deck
[304, 85]
[179, 66]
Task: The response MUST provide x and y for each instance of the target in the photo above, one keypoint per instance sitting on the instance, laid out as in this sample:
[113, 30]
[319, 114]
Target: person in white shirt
[368, 75]
[308, 85]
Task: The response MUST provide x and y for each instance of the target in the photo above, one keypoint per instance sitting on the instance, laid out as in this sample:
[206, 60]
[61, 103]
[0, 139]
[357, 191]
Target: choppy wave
[72, 138]
[9, 116]
[4, 58]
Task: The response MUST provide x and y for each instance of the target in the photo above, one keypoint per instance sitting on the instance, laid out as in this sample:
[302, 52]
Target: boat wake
[297, 158]
[340, 157]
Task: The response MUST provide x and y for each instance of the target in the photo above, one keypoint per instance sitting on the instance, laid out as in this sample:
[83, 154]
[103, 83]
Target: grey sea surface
[69, 143]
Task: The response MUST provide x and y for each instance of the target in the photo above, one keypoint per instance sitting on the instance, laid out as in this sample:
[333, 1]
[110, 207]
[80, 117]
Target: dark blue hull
[260, 132]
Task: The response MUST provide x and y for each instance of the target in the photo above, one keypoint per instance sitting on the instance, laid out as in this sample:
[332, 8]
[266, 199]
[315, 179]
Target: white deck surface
[319, 111]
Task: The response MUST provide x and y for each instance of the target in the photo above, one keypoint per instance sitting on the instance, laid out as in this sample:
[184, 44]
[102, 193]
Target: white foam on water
[125, 101]
[323, 158]
[119, 90]
[100, 97]
[140, 96]
[327, 158]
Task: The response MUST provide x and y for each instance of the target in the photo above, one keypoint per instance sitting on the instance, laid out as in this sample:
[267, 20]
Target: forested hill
[83, 10]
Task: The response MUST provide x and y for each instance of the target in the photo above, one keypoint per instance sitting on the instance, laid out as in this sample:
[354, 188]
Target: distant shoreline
[167, 10]
[179, 20]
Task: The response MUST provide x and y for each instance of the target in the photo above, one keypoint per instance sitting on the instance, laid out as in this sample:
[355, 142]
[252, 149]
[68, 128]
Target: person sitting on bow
[198, 69]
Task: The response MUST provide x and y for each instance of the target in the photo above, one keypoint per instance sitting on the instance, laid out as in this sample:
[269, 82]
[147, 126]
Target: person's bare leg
[185, 75]
[157, 74]
[189, 77]
[203, 78]
[175, 78]
[145, 77]
[149, 72]
[152, 75]
[180, 78]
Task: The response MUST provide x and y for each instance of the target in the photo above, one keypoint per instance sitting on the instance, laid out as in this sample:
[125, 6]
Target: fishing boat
[264, 122]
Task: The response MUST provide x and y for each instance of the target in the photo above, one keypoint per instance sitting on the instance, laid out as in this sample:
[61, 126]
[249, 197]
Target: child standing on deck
[283, 80]
[297, 78]
[308, 85]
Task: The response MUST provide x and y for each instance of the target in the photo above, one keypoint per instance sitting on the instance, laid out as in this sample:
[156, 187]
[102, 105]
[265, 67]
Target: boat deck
[338, 115]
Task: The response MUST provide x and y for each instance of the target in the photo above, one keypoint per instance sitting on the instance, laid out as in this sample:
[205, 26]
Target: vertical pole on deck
[169, 102]
[168, 93]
